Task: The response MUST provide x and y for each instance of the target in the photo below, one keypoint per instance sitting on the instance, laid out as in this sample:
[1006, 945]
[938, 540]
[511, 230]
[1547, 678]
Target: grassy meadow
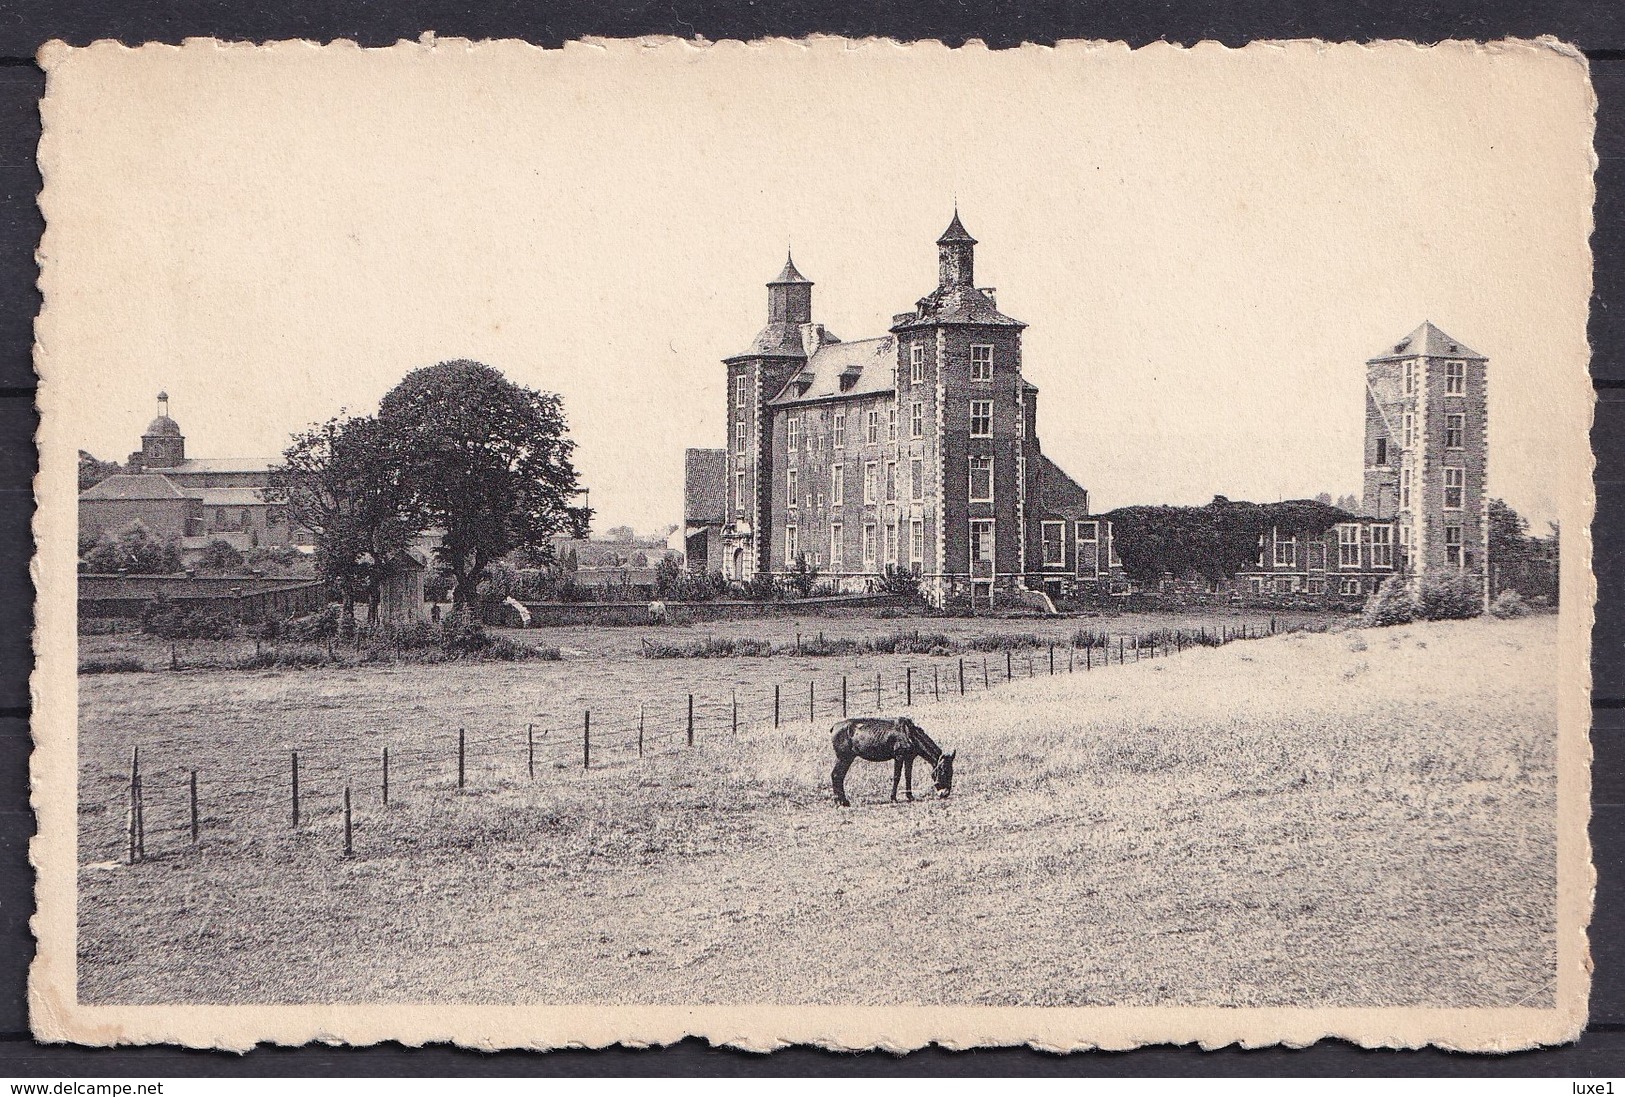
[1360, 817]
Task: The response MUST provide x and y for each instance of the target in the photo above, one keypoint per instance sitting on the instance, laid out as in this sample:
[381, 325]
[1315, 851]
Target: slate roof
[705, 487]
[790, 276]
[163, 427]
[1060, 493]
[224, 464]
[134, 486]
[869, 362]
[228, 497]
[1429, 341]
[955, 233]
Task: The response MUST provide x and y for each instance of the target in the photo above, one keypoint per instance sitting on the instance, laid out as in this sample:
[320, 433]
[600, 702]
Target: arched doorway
[739, 563]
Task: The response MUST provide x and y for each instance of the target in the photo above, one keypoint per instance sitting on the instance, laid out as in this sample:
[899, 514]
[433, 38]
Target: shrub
[803, 576]
[761, 587]
[316, 626]
[134, 549]
[113, 665]
[1509, 603]
[1452, 597]
[1392, 604]
[169, 621]
[220, 557]
[895, 580]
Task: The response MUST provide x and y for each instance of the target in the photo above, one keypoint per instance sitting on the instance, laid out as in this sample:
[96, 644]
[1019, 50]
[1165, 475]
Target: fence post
[812, 703]
[843, 696]
[734, 713]
[908, 687]
[961, 676]
[349, 850]
[530, 750]
[194, 807]
[1119, 652]
[586, 739]
[775, 704]
[386, 776]
[1009, 665]
[1029, 666]
[459, 757]
[691, 719]
[985, 684]
[296, 790]
[640, 729]
[135, 769]
[1052, 659]
[174, 659]
[877, 691]
[936, 686]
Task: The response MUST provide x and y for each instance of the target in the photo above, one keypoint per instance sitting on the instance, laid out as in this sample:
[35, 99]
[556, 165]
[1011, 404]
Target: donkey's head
[942, 774]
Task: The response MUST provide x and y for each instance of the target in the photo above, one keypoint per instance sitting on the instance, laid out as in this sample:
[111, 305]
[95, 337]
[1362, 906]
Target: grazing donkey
[899, 741]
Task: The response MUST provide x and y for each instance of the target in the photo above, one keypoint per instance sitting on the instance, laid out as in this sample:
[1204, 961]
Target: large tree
[487, 461]
[93, 471]
[343, 480]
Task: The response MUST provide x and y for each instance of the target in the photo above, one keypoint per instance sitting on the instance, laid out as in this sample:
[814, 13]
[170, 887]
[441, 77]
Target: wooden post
[985, 684]
[640, 730]
[530, 750]
[1009, 665]
[194, 807]
[135, 770]
[586, 739]
[1119, 651]
[775, 704]
[1052, 659]
[734, 706]
[296, 790]
[349, 850]
[843, 696]
[812, 704]
[691, 719]
[936, 686]
[961, 676]
[386, 776]
[1029, 665]
[877, 691]
[459, 757]
[908, 687]
[174, 659]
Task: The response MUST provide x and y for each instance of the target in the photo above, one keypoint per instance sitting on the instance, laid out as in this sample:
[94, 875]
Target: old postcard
[855, 543]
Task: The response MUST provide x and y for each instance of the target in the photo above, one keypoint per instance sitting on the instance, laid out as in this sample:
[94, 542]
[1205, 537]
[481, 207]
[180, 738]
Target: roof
[134, 486]
[1430, 342]
[163, 427]
[790, 276]
[705, 487]
[955, 232]
[228, 497]
[1060, 493]
[223, 464]
[868, 363]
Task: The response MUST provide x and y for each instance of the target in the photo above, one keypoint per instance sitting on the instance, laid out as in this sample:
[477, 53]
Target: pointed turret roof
[1430, 342]
[790, 276]
[955, 233]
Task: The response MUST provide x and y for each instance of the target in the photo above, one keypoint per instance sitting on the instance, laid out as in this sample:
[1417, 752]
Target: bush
[166, 620]
[134, 549]
[316, 626]
[221, 558]
[761, 587]
[1392, 604]
[1509, 603]
[896, 580]
[803, 576]
[113, 665]
[1453, 597]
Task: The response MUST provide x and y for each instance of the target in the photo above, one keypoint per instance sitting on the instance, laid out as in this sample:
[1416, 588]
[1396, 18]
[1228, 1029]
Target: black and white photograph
[864, 544]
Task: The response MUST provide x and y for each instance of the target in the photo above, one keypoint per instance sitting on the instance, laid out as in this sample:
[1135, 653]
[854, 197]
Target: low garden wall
[545, 614]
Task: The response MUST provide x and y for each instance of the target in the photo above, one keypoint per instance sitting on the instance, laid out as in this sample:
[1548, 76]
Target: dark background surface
[1596, 26]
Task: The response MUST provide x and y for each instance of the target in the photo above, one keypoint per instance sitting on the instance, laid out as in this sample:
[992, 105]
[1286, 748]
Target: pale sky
[1206, 246]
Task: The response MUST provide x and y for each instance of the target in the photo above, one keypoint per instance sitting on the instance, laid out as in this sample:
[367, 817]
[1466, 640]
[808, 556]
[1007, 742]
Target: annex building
[916, 450]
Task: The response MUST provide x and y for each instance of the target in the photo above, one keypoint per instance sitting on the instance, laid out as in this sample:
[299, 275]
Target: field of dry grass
[1354, 818]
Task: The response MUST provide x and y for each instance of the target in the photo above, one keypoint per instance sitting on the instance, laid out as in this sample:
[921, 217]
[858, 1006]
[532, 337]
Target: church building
[916, 450]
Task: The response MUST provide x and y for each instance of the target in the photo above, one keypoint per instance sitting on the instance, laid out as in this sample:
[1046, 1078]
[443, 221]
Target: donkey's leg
[908, 777]
[838, 779]
[896, 776]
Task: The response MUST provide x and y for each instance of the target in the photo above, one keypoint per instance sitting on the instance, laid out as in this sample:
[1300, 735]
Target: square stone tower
[1426, 441]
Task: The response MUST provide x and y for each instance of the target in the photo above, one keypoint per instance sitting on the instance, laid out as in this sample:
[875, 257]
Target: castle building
[186, 499]
[1426, 440]
[916, 450]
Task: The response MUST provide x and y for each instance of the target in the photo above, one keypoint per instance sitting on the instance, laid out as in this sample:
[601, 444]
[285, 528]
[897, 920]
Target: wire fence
[172, 806]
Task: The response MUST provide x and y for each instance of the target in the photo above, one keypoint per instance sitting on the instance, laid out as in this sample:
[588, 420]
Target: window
[916, 541]
[1054, 534]
[1455, 487]
[1317, 555]
[836, 551]
[1349, 586]
[916, 364]
[790, 544]
[981, 418]
[1285, 585]
[916, 479]
[981, 362]
[1257, 585]
[891, 423]
[220, 518]
[981, 479]
[792, 429]
[1348, 545]
[874, 427]
[891, 481]
[1410, 430]
[981, 540]
[1286, 552]
[869, 545]
[1382, 546]
[840, 431]
[1455, 378]
[1314, 586]
[1452, 546]
[916, 420]
[1405, 489]
[739, 491]
[1405, 540]
[1260, 550]
[837, 485]
[891, 542]
[1088, 537]
[1453, 425]
[1382, 451]
[871, 482]
[741, 390]
[739, 438]
[790, 486]
[1410, 378]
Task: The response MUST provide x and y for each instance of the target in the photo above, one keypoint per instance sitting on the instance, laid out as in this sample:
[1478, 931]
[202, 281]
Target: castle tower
[163, 446]
[1426, 427]
[777, 353]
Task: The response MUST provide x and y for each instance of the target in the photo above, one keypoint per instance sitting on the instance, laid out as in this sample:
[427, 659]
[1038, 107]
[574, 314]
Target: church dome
[163, 427]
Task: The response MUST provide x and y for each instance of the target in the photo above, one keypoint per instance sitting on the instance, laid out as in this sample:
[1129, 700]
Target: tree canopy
[1214, 541]
[134, 549]
[486, 461]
